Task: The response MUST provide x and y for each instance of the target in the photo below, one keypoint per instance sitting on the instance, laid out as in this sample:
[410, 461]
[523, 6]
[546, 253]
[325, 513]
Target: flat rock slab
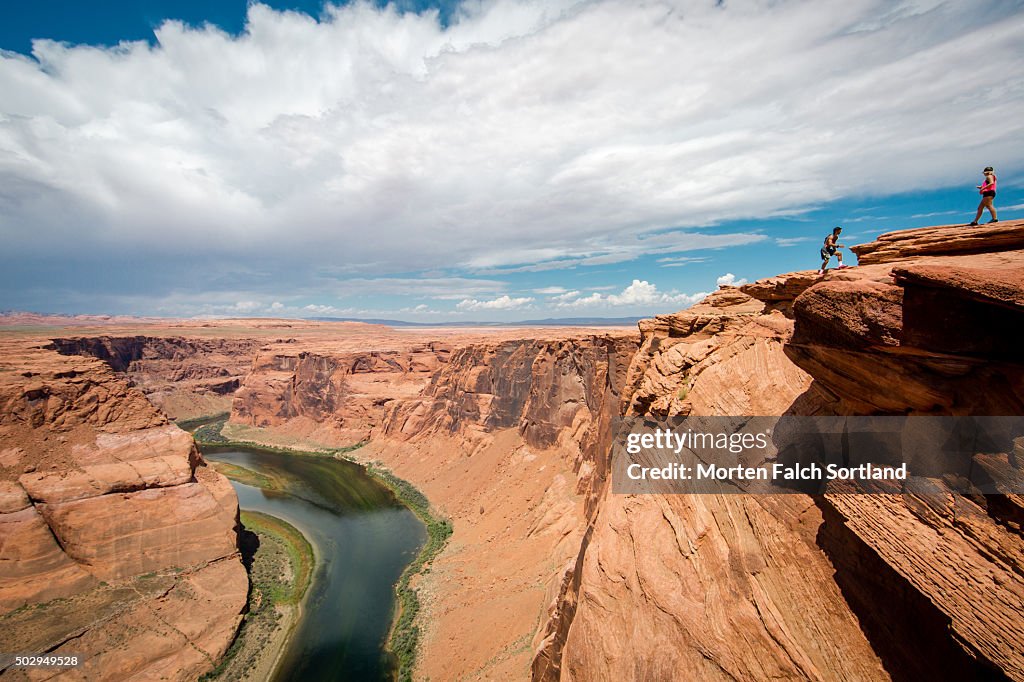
[947, 240]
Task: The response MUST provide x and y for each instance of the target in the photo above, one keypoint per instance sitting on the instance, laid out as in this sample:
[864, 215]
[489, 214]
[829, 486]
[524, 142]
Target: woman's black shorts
[989, 194]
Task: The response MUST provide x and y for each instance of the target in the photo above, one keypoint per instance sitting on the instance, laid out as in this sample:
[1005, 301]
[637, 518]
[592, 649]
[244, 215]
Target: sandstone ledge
[947, 240]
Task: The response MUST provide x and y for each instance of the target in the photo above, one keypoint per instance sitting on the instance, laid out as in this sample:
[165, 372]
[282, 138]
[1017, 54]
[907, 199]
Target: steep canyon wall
[184, 377]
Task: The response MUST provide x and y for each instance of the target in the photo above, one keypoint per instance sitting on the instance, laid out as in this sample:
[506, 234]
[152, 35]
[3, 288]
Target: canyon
[109, 517]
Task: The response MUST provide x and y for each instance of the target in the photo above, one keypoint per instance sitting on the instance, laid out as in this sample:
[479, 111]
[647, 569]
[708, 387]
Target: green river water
[363, 537]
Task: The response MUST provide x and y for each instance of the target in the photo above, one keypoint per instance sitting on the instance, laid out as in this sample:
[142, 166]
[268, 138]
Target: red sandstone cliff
[343, 393]
[929, 325]
[185, 377]
[709, 587]
[559, 393]
[116, 543]
[920, 585]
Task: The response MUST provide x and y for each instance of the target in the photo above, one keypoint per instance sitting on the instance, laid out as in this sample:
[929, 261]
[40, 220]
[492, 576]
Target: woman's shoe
[974, 224]
[994, 220]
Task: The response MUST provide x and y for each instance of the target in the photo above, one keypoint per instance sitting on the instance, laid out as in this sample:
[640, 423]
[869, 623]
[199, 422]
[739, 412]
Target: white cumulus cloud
[639, 294]
[729, 280]
[504, 302]
[786, 242]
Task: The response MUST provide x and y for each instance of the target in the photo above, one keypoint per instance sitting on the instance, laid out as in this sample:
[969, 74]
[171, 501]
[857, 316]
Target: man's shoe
[845, 267]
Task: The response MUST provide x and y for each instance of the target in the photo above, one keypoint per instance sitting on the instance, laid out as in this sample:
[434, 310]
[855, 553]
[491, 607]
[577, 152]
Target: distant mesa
[546, 322]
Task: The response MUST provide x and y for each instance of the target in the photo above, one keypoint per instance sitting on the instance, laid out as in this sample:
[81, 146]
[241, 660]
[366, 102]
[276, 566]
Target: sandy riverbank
[281, 573]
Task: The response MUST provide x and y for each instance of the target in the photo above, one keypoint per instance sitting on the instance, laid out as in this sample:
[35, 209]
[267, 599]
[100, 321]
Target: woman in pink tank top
[987, 190]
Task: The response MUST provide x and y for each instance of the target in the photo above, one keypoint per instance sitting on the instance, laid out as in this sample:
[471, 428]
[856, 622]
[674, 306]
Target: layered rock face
[710, 586]
[338, 395]
[184, 377]
[722, 356]
[922, 583]
[916, 333]
[117, 544]
[558, 394]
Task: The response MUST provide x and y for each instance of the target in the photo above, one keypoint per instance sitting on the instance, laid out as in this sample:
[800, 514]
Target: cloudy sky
[483, 160]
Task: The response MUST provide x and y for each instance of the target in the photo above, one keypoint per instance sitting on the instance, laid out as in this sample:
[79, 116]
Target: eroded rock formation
[339, 394]
[915, 333]
[117, 544]
[557, 393]
[183, 376]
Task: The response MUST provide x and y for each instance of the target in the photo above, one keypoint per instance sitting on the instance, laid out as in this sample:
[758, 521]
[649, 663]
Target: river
[363, 538]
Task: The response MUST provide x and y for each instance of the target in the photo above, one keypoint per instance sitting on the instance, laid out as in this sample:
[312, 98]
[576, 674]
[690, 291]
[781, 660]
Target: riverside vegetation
[210, 433]
[406, 633]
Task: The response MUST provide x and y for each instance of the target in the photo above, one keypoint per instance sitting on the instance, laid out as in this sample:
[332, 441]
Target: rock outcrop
[927, 335]
[947, 240]
[722, 356]
[116, 542]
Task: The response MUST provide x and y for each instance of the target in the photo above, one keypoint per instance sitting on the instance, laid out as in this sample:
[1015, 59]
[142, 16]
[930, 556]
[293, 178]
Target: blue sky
[491, 160]
[108, 22]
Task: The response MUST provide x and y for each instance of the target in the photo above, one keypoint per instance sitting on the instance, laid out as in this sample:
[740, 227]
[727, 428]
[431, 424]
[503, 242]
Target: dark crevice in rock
[911, 635]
